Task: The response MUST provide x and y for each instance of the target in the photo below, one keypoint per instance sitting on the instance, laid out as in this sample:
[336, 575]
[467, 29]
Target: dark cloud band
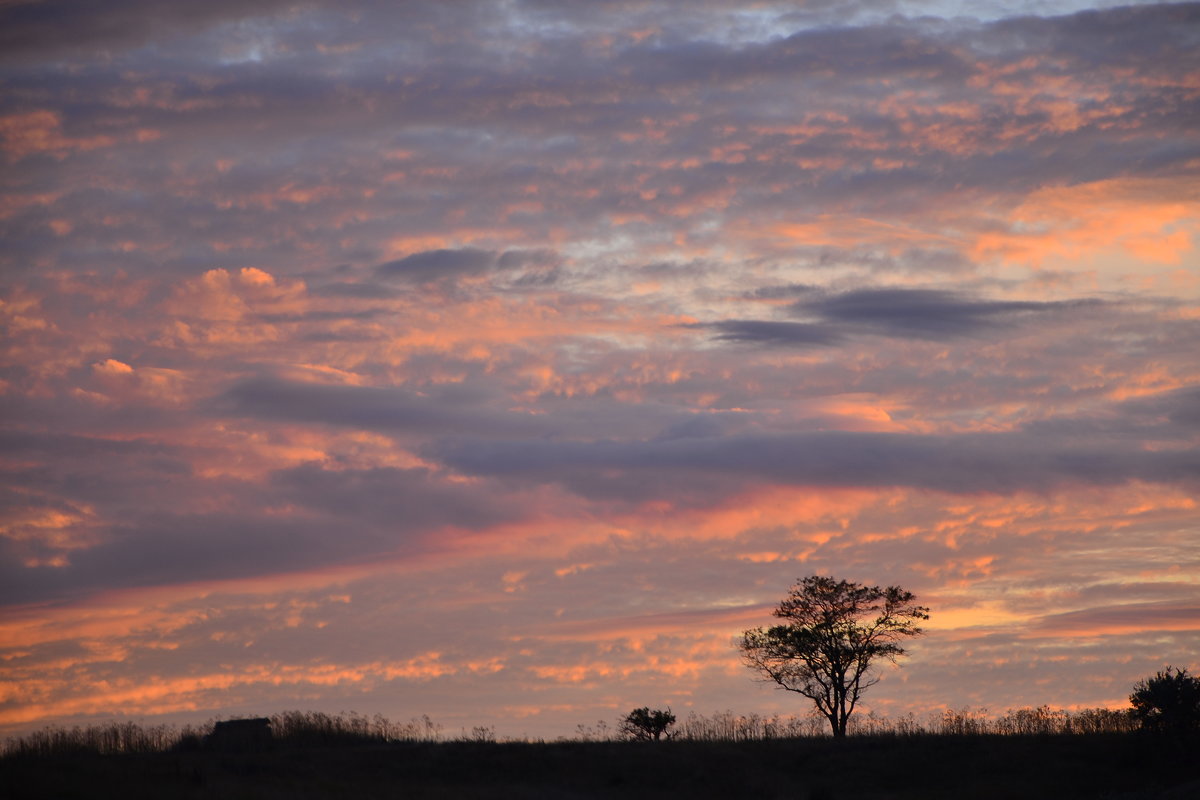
[996, 463]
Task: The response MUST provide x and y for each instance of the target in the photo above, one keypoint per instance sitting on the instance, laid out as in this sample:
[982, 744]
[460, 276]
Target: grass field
[1127, 766]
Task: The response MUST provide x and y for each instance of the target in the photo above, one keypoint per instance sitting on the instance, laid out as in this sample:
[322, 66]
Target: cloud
[989, 463]
[396, 500]
[388, 409]
[408, 303]
[433, 265]
[769, 332]
[364, 290]
[295, 519]
[161, 547]
[53, 25]
[927, 313]
[1120, 619]
[785, 292]
[1169, 417]
[897, 312]
[1182, 406]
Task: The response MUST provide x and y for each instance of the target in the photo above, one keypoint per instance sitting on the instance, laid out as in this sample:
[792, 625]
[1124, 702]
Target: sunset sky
[502, 361]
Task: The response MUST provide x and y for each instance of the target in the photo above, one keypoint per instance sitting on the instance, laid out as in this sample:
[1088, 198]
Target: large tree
[833, 632]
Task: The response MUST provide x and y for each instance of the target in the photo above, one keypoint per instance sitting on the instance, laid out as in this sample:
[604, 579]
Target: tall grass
[1042, 720]
[299, 728]
[726, 726]
[105, 739]
[319, 729]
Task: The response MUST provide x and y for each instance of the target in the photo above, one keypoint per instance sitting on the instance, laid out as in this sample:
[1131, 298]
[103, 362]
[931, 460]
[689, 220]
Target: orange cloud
[1132, 618]
[54, 531]
[702, 623]
[40, 131]
[676, 658]
[829, 511]
[1151, 220]
[848, 231]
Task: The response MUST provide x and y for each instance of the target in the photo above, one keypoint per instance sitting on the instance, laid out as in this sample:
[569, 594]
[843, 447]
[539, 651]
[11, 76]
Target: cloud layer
[502, 362]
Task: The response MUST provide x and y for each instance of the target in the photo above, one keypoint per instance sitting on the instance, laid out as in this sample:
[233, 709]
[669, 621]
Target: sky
[503, 361]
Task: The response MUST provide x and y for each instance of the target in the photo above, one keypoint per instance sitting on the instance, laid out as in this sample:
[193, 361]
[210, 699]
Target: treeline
[319, 729]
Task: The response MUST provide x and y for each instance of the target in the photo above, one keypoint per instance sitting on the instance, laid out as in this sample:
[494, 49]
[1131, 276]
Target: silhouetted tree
[646, 725]
[1169, 702]
[833, 632]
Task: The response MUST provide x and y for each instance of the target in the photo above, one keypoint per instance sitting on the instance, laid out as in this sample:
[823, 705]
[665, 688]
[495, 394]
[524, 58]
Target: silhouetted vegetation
[1026, 752]
[107, 739]
[646, 725]
[316, 729]
[729, 727]
[480, 734]
[833, 633]
[726, 756]
[295, 729]
[1169, 702]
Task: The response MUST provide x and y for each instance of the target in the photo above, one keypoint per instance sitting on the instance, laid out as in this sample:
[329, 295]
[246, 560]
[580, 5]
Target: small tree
[1169, 702]
[646, 725]
[833, 632]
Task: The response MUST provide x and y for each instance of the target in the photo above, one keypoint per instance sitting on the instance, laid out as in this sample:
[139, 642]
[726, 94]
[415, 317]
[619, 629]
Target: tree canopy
[833, 632]
[1169, 702]
[646, 724]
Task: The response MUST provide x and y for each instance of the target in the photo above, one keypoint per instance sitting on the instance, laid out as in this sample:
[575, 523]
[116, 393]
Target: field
[1122, 766]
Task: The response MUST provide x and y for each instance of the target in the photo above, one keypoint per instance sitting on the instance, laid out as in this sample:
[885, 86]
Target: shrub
[1168, 703]
[646, 725]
